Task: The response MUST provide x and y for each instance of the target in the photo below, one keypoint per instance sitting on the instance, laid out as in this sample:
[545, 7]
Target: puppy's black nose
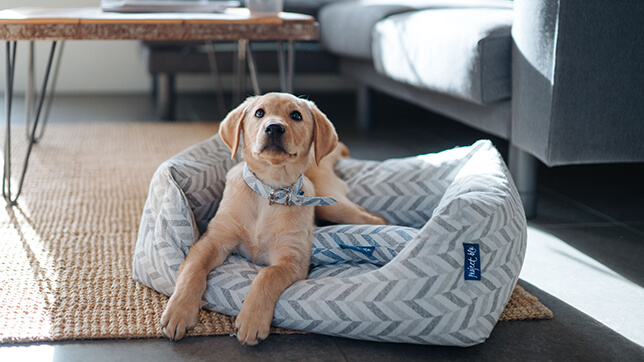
[274, 130]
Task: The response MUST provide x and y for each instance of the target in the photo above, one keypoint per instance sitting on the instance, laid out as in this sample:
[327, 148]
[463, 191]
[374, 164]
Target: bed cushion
[442, 275]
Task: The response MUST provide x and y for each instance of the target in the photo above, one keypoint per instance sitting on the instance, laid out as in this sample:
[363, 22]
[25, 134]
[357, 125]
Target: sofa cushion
[465, 53]
[346, 26]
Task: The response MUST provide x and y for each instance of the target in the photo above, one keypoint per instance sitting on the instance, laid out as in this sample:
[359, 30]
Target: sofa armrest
[578, 71]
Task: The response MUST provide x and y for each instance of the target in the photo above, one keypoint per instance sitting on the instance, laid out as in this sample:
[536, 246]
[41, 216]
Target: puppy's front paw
[178, 318]
[253, 324]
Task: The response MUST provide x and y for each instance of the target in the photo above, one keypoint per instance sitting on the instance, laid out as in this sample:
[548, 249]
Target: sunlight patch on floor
[27, 275]
[585, 284]
[42, 353]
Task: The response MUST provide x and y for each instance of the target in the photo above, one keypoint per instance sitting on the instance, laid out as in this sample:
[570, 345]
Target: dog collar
[286, 196]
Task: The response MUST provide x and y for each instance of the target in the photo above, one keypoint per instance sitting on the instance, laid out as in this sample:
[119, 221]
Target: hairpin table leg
[11, 65]
[286, 70]
[30, 88]
[240, 70]
[281, 62]
[50, 97]
[291, 67]
[8, 98]
[252, 68]
[216, 77]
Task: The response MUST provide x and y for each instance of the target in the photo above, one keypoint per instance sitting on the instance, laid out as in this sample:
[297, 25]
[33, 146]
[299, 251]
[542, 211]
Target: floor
[584, 257]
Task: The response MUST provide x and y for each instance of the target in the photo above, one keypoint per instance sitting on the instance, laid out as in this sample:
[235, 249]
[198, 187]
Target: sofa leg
[363, 108]
[523, 167]
[165, 96]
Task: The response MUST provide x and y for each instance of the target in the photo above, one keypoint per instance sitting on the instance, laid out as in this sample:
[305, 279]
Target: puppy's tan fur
[275, 235]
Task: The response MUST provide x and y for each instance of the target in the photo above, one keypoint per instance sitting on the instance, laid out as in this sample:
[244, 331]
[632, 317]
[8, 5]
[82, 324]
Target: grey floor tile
[276, 348]
[613, 246]
[570, 336]
[90, 108]
[556, 210]
[613, 190]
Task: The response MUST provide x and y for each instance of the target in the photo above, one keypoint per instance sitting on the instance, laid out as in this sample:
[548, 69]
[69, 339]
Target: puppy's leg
[254, 320]
[182, 311]
[327, 183]
[347, 212]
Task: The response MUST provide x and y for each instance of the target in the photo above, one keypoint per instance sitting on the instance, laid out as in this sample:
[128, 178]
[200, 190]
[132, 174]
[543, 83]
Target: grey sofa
[561, 80]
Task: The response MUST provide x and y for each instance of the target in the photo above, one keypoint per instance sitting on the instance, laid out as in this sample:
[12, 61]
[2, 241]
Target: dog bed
[441, 274]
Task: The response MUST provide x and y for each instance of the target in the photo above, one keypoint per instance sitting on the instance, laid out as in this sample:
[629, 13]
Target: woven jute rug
[66, 249]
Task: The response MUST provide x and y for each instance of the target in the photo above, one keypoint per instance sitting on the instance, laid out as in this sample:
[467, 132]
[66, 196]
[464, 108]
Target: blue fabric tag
[366, 250]
[472, 261]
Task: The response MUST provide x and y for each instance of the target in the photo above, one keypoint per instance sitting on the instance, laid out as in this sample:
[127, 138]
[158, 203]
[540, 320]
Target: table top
[94, 24]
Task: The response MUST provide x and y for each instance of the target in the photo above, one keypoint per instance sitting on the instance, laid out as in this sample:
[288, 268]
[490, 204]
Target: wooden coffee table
[234, 25]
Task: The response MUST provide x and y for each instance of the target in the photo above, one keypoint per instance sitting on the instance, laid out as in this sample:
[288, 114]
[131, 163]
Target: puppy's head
[279, 128]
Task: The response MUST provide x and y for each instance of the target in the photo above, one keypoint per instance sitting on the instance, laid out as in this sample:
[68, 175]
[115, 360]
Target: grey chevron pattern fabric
[375, 244]
[441, 276]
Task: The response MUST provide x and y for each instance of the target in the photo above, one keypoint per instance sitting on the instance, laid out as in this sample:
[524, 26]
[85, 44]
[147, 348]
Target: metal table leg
[286, 64]
[216, 77]
[7, 192]
[291, 67]
[281, 62]
[8, 98]
[253, 70]
[31, 94]
[30, 89]
[286, 70]
[245, 54]
[240, 70]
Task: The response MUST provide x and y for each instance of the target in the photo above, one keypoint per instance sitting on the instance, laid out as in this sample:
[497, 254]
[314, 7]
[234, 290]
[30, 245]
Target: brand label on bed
[472, 261]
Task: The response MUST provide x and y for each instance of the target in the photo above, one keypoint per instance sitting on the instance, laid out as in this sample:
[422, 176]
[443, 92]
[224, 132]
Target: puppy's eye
[296, 116]
[259, 113]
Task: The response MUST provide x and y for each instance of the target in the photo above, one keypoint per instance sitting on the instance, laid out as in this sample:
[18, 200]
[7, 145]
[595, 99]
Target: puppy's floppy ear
[325, 138]
[231, 127]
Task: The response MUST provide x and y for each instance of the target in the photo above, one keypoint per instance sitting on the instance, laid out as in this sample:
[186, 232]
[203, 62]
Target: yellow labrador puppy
[267, 210]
